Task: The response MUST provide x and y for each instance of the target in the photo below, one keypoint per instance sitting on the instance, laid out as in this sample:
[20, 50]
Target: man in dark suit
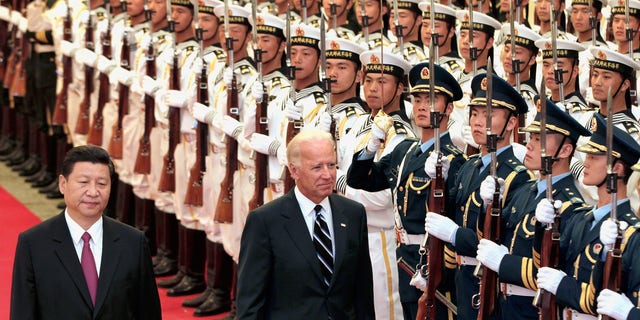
[305, 255]
[81, 264]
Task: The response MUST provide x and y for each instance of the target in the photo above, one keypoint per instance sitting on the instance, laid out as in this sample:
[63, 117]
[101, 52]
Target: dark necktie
[89, 267]
[322, 243]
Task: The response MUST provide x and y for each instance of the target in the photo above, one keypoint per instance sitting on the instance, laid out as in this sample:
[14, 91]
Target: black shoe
[30, 169]
[62, 205]
[46, 180]
[36, 176]
[188, 285]
[7, 147]
[171, 282]
[165, 267]
[157, 259]
[232, 315]
[197, 301]
[51, 187]
[215, 304]
[55, 195]
[11, 154]
[17, 160]
[28, 163]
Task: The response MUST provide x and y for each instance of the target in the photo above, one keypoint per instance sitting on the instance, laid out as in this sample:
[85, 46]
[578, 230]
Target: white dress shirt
[307, 207]
[95, 243]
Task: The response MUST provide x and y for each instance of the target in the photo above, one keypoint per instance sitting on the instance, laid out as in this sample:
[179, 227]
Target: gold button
[401, 189]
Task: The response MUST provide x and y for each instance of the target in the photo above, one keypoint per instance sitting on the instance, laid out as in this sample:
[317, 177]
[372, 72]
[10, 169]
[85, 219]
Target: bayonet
[333, 9]
[399, 32]
[558, 73]
[435, 43]
[592, 24]
[473, 51]
[365, 23]
[515, 63]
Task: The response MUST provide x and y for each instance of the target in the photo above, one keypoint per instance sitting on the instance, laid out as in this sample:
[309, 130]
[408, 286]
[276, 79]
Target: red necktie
[89, 267]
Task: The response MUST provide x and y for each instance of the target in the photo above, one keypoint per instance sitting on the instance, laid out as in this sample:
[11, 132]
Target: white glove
[545, 212]
[119, 74]
[614, 305]
[5, 14]
[175, 98]
[197, 66]
[144, 43]
[292, 112]
[105, 65]
[325, 122]
[549, 279]
[86, 57]
[149, 85]
[440, 227]
[430, 165]
[15, 17]
[377, 136]
[608, 233]
[203, 113]
[418, 281]
[488, 187]
[22, 24]
[68, 48]
[281, 154]
[231, 126]
[257, 91]
[262, 143]
[227, 76]
[166, 56]
[490, 254]
[467, 136]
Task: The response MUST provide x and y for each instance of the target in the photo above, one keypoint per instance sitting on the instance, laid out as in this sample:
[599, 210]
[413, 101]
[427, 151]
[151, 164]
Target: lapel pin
[343, 225]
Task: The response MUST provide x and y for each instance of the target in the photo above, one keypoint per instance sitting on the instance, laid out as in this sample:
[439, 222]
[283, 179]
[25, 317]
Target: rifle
[592, 24]
[612, 275]
[11, 61]
[518, 135]
[261, 122]
[544, 300]
[435, 250]
[293, 127]
[82, 124]
[168, 177]
[143, 159]
[557, 73]
[326, 80]
[333, 9]
[95, 130]
[473, 55]
[487, 297]
[60, 109]
[18, 86]
[196, 177]
[224, 207]
[115, 145]
[399, 32]
[365, 23]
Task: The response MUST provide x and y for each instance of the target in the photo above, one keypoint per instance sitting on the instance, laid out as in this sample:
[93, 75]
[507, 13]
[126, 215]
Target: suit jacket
[48, 282]
[279, 273]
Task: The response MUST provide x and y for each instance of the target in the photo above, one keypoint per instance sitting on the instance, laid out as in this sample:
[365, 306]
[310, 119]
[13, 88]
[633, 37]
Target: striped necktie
[322, 243]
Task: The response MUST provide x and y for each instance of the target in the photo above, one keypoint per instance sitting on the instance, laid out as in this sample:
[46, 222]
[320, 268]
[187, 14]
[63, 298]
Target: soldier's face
[569, 72]
[532, 158]
[478, 122]
[602, 80]
[409, 20]
[480, 41]
[135, 7]
[158, 10]
[310, 4]
[380, 89]
[524, 55]
[86, 190]
[442, 29]
[305, 59]
[182, 17]
[342, 7]
[372, 10]
[315, 173]
[271, 46]
[580, 17]
[543, 10]
[619, 26]
[594, 169]
[422, 108]
[209, 25]
[344, 74]
[239, 34]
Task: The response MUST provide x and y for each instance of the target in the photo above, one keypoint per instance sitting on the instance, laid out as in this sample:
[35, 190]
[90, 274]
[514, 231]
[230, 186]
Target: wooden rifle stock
[115, 145]
[168, 177]
[612, 275]
[488, 291]
[143, 159]
[549, 257]
[60, 109]
[194, 188]
[82, 124]
[292, 130]
[260, 159]
[95, 130]
[12, 60]
[519, 136]
[224, 207]
[18, 86]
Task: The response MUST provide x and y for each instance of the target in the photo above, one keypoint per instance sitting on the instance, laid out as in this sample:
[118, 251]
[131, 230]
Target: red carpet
[15, 218]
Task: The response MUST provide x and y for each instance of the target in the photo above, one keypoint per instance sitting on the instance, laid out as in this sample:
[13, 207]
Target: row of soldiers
[196, 102]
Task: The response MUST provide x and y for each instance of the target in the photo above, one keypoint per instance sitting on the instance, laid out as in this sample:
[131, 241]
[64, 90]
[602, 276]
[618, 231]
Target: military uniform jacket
[630, 284]
[469, 207]
[523, 233]
[581, 247]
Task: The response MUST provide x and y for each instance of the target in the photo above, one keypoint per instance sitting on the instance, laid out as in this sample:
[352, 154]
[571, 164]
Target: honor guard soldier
[409, 20]
[620, 25]
[346, 28]
[309, 12]
[402, 170]
[516, 261]
[375, 30]
[525, 53]
[474, 190]
[619, 305]
[577, 282]
[483, 28]
[579, 20]
[445, 25]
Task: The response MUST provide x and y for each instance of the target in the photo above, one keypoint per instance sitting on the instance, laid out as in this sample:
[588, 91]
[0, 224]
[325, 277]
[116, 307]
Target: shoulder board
[515, 164]
[350, 109]
[244, 69]
[319, 97]
[453, 64]
[220, 54]
[400, 125]
[453, 149]
[630, 127]
[584, 210]
[308, 91]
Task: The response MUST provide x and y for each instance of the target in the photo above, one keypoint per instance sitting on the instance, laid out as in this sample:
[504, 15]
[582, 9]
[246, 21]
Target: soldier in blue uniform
[578, 282]
[515, 261]
[472, 195]
[403, 170]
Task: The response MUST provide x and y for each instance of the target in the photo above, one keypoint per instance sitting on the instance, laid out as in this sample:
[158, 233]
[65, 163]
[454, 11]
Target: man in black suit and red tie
[81, 264]
[305, 255]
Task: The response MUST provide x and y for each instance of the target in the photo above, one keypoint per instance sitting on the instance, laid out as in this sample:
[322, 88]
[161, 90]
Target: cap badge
[334, 45]
[548, 46]
[483, 84]
[424, 74]
[601, 55]
[299, 31]
[374, 59]
[259, 20]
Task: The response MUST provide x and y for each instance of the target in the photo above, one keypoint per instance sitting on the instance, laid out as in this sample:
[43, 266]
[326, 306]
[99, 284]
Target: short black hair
[86, 153]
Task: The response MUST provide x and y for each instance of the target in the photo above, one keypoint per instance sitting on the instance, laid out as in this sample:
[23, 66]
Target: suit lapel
[111, 252]
[340, 226]
[298, 232]
[66, 252]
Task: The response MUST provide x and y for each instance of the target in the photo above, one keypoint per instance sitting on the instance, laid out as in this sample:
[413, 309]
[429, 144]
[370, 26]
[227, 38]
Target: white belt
[408, 239]
[466, 261]
[513, 290]
[570, 314]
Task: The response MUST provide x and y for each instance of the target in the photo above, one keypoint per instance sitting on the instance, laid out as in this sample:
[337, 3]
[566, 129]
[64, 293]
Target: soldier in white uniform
[445, 25]
[377, 13]
[410, 18]
[345, 28]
